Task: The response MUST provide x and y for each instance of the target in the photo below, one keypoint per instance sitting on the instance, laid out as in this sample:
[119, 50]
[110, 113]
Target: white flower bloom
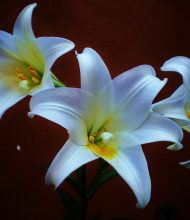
[177, 106]
[25, 61]
[109, 119]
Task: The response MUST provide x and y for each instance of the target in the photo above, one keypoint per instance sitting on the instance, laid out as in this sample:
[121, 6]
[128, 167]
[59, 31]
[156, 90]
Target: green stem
[56, 81]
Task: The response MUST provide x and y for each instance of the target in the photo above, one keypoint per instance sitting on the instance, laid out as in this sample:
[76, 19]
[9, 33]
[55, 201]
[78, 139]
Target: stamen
[35, 76]
[33, 72]
[91, 139]
[20, 74]
[36, 81]
[95, 133]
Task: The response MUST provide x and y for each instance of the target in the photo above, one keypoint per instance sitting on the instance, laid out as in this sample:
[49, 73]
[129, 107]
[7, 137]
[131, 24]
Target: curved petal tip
[175, 147]
[185, 164]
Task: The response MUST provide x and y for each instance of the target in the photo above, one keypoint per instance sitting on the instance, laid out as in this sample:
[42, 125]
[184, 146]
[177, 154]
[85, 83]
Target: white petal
[185, 164]
[68, 107]
[46, 83]
[53, 47]
[181, 65]
[25, 41]
[127, 100]
[172, 108]
[68, 159]
[23, 27]
[94, 73]
[159, 128]
[8, 98]
[131, 165]
[30, 54]
[186, 127]
[179, 92]
[7, 46]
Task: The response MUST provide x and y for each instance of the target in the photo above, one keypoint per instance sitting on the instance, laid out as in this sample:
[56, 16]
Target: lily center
[187, 112]
[103, 144]
[28, 78]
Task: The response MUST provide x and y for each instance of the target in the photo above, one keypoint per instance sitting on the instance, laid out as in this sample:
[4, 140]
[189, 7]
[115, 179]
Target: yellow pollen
[91, 139]
[108, 152]
[33, 72]
[20, 74]
[36, 81]
[35, 76]
[186, 111]
[95, 133]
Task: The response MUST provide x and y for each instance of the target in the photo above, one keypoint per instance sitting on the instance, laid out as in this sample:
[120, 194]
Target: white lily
[177, 106]
[109, 119]
[25, 61]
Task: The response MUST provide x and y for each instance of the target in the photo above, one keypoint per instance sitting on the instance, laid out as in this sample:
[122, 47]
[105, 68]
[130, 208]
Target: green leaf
[56, 81]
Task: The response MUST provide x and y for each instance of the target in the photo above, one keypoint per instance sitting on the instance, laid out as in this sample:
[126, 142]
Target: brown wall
[126, 34]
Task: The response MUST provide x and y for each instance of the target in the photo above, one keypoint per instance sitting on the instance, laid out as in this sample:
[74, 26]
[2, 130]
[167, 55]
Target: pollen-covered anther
[20, 74]
[95, 133]
[35, 75]
[36, 81]
[91, 139]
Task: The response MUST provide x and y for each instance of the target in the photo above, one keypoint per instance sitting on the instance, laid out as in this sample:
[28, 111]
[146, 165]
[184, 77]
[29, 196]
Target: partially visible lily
[109, 119]
[25, 61]
[177, 106]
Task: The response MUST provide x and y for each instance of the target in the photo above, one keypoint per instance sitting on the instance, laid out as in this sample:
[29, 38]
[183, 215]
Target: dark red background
[126, 34]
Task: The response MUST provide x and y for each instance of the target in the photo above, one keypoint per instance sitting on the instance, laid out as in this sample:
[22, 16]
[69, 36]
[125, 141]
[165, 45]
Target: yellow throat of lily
[102, 143]
[187, 112]
[28, 78]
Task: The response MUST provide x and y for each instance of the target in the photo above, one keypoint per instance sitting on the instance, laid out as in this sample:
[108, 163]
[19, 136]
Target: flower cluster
[105, 118]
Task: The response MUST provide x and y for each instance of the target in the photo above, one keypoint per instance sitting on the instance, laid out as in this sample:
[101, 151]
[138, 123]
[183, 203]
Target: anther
[104, 129]
[91, 139]
[36, 81]
[20, 74]
[95, 133]
[35, 76]
[33, 72]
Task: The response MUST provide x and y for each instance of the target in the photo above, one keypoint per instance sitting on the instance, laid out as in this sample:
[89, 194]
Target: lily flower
[177, 106]
[25, 61]
[109, 119]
